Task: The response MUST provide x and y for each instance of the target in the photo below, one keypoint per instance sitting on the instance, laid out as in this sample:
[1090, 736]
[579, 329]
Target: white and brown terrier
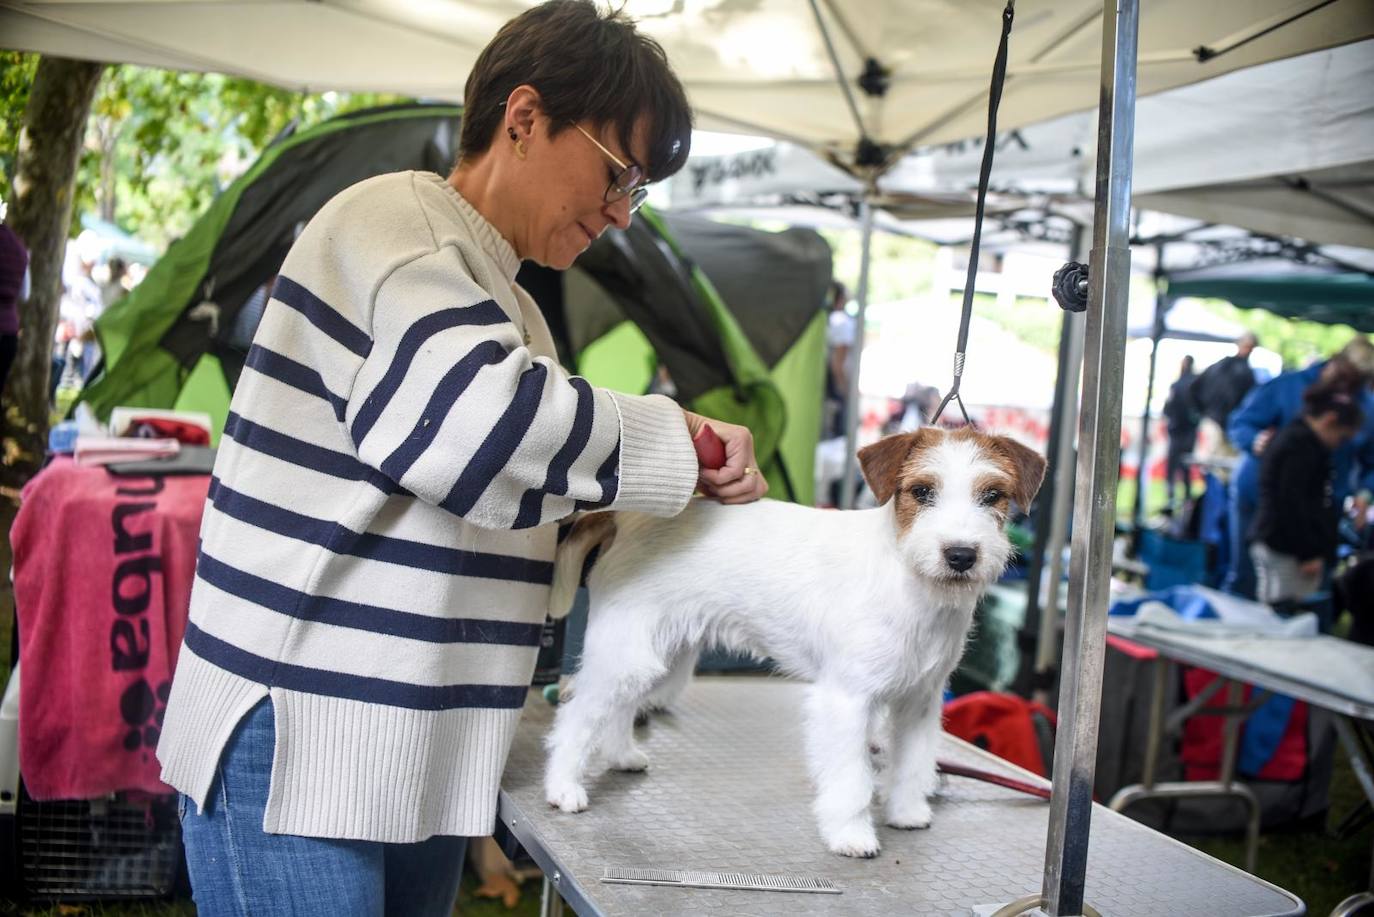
[872, 607]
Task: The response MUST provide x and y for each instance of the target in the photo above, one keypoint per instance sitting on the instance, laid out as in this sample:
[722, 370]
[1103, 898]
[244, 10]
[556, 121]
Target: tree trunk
[41, 215]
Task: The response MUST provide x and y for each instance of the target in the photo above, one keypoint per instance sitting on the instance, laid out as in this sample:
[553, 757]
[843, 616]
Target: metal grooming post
[852, 364]
[1099, 454]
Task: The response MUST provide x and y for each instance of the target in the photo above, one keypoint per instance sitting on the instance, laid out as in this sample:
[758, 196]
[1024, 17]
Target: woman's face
[572, 177]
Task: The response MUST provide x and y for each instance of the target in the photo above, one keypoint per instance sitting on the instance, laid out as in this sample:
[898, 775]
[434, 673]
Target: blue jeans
[239, 870]
[1241, 513]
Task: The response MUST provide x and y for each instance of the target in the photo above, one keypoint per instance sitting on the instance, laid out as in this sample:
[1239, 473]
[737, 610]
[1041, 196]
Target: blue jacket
[1275, 404]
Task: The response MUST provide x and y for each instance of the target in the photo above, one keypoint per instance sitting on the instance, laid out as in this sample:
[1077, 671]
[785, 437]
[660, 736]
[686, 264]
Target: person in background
[1180, 423]
[113, 288]
[1222, 386]
[14, 289]
[840, 335]
[376, 554]
[1293, 536]
[1274, 405]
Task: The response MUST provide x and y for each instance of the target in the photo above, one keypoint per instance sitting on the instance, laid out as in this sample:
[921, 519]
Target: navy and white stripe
[321, 315]
[484, 313]
[373, 546]
[350, 687]
[376, 619]
[500, 443]
[296, 375]
[341, 465]
[454, 383]
[532, 503]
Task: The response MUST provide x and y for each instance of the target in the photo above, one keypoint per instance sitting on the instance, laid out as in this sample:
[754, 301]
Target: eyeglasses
[629, 181]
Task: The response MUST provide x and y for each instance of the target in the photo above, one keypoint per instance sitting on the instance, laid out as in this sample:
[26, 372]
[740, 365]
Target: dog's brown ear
[1028, 469]
[882, 461]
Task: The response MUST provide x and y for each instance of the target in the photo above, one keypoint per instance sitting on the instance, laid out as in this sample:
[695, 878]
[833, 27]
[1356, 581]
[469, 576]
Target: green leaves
[161, 144]
[16, 76]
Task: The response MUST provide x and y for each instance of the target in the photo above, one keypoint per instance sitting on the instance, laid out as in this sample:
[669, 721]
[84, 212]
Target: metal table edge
[1101, 809]
[567, 886]
[1319, 696]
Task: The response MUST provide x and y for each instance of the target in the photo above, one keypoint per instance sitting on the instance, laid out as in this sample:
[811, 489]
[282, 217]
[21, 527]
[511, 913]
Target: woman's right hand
[739, 479]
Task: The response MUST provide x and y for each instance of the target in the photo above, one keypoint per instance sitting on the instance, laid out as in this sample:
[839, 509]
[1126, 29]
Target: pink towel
[102, 580]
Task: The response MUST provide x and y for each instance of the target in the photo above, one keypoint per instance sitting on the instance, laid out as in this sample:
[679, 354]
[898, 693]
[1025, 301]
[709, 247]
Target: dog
[872, 607]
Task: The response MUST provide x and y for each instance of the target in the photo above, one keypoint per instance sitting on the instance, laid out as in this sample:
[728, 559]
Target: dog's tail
[592, 531]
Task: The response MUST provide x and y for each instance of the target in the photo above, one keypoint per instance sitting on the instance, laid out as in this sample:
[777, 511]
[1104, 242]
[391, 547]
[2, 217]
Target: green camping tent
[634, 302]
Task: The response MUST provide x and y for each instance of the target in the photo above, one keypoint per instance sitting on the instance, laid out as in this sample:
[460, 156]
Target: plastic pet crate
[98, 849]
[81, 850]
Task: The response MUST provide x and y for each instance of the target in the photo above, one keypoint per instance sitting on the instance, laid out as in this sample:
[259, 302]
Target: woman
[375, 558]
[1294, 534]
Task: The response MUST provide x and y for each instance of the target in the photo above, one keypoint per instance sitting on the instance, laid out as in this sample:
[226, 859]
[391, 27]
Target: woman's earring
[519, 144]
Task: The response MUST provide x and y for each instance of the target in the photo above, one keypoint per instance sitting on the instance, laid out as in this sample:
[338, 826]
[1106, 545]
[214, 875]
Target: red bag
[187, 434]
[1202, 737]
[1005, 725]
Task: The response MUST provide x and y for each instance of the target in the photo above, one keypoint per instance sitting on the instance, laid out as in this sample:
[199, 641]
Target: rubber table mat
[727, 791]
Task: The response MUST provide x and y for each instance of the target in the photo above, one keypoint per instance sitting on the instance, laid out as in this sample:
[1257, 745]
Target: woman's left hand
[739, 480]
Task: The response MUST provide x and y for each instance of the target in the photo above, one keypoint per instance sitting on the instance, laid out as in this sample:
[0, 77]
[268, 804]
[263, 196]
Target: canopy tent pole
[1099, 455]
[1047, 637]
[855, 358]
[1056, 498]
[1142, 478]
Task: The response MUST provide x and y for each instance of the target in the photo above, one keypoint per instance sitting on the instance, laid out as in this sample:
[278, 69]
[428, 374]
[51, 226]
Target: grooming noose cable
[999, 73]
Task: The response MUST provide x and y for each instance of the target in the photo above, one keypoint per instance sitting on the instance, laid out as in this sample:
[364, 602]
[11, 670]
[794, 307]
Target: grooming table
[1326, 672]
[727, 792]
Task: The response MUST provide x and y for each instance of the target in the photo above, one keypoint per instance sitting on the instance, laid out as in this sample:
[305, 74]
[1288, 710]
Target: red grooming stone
[710, 448]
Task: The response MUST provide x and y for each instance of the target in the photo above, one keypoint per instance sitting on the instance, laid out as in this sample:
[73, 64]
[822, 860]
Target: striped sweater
[377, 549]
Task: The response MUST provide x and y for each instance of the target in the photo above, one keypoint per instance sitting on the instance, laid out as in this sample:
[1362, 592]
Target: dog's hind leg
[916, 733]
[618, 747]
[837, 753]
[619, 667]
[671, 686]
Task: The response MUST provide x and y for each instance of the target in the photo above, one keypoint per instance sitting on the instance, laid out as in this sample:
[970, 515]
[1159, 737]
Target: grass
[1156, 498]
[1318, 867]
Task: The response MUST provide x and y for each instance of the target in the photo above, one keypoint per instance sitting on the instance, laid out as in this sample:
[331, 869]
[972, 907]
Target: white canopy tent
[763, 67]
[1285, 148]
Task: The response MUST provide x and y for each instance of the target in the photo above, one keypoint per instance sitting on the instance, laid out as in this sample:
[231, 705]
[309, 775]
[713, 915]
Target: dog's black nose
[960, 558]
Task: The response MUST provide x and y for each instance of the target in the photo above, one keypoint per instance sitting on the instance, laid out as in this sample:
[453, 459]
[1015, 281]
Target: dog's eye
[990, 497]
[923, 494]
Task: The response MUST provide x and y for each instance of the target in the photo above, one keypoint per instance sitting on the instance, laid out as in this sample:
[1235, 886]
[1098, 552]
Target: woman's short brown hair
[587, 67]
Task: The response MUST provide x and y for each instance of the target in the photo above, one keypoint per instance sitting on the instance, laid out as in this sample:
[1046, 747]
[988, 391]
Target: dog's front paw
[909, 815]
[632, 760]
[569, 797]
[856, 839]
